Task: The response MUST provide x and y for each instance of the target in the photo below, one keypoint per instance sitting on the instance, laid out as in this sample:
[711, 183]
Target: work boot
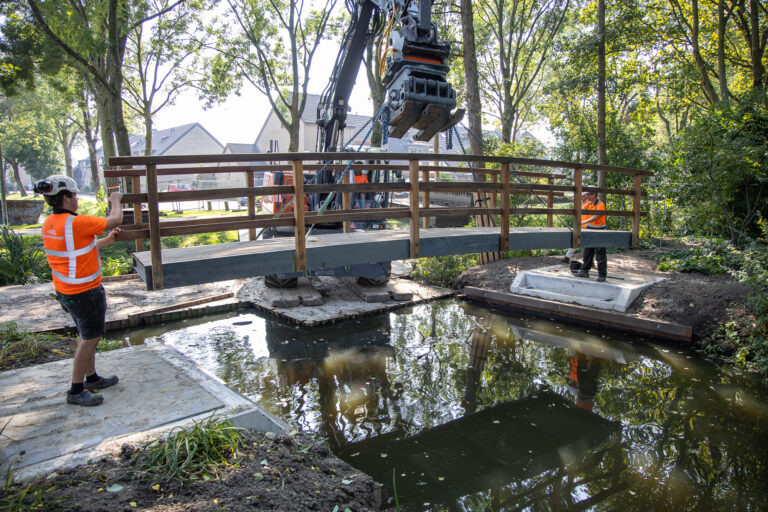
[582, 273]
[565, 259]
[600, 279]
[103, 382]
[85, 398]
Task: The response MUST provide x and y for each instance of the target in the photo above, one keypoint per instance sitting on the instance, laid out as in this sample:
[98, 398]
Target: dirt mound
[292, 473]
[692, 299]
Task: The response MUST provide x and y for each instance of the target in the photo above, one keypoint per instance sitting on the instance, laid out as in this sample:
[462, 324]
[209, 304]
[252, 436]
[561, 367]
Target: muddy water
[456, 407]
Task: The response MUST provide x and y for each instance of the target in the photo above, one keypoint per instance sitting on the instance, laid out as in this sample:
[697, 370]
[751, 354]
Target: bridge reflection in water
[466, 407]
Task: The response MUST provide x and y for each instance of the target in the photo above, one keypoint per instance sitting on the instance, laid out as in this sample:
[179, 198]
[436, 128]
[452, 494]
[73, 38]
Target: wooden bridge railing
[504, 182]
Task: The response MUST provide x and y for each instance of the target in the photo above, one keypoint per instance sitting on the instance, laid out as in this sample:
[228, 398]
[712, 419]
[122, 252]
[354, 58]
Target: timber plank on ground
[582, 314]
[210, 263]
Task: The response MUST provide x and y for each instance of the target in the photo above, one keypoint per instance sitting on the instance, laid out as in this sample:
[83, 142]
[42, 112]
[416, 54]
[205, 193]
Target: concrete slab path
[159, 388]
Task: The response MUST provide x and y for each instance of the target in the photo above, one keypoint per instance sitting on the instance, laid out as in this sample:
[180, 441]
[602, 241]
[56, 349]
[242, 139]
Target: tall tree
[164, 58]
[271, 45]
[474, 105]
[516, 37]
[601, 142]
[28, 137]
[93, 34]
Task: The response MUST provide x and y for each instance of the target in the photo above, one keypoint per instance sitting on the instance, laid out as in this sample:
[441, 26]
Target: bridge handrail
[491, 197]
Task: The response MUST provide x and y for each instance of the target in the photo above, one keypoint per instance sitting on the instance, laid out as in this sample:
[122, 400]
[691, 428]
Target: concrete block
[260, 420]
[617, 293]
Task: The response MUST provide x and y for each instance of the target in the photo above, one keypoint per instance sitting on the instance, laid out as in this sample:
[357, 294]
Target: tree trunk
[601, 139]
[118, 124]
[91, 143]
[755, 50]
[66, 146]
[105, 123]
[701, 65]
[474, 107]
[147, 133]
[17, 177]
[2, 184]
[377, 88]
[722, 78]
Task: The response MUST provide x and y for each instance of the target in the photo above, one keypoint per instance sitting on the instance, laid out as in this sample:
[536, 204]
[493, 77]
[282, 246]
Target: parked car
[244, 202]
[178, 187]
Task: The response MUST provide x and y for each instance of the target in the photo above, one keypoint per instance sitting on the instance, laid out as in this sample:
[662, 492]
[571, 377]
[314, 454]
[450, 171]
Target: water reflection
[468, 408]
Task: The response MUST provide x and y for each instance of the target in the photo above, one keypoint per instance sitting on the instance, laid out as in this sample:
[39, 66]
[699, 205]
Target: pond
[458, 407]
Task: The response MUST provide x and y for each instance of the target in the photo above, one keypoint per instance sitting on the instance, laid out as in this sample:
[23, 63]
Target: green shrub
[441, 270]
[117, 266]
[710, 257]
[21, 262]
[193, 453]
[106, 345]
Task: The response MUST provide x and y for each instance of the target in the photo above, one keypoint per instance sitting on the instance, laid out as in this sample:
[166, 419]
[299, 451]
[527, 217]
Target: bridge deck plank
[209, 263]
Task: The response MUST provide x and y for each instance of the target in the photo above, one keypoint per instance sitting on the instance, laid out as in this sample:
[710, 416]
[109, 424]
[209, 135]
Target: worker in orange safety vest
[595, 221]
[72, 248]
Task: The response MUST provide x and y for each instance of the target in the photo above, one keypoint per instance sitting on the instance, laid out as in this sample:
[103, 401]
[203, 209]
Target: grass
[18, 343]
[441, 270]
[193, 453]
[106, 345]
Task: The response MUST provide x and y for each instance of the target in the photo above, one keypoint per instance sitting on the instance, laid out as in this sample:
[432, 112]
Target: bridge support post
[550, 201]
[636, 211]
[137, 216]
[413, 171]
[346, 203]
[576, 243]
[250, 182]
[504, 236]
[298, 215]
[154, 228]
[425, 198]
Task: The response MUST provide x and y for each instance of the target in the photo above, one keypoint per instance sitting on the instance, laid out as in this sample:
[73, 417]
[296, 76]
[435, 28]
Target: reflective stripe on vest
[72, 254]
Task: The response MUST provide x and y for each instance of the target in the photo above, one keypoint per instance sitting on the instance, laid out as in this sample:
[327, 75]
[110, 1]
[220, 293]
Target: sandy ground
[691, 299]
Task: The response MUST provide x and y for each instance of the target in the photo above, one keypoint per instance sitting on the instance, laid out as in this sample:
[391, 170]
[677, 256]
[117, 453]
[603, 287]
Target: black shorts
[88, 310]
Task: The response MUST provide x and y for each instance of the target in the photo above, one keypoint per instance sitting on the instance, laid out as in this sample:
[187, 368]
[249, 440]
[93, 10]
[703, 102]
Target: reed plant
[21, 261]
[194, 452]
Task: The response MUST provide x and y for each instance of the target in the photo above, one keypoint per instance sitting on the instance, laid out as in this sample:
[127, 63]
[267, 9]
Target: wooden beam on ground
[298, 215]
[413, 171]
[582, 314]
[154, 228]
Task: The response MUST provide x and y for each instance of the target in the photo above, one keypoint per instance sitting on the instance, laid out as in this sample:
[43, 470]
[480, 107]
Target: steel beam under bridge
[221, 262]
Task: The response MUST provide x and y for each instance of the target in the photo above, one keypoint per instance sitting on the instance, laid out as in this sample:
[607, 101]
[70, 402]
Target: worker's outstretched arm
[111, 237]
[115, 217]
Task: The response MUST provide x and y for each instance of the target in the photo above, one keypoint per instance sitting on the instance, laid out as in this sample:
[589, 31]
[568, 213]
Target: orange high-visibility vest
[600, 222]
[361, 178]
[70, 246]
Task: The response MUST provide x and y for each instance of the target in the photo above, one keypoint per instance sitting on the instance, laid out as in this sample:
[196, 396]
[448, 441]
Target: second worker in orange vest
[595, 221]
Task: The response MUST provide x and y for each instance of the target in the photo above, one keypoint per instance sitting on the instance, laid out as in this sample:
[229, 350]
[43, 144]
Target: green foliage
[193, 453]
[746, 333]
[107, 345]
[710, 257]
[17, 343]
[719, 170]
[116, 258]
[21, 262]
[441, 270]
[97, 209]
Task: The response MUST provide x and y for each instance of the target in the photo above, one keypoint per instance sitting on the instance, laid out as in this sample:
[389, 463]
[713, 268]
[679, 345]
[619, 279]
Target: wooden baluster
[154, 228]
[138, 218]
[346, 202]
[576, 241]
[250, 182]
[636, 211]
[504, 240]
[425, 198]
[550, 201]
[298, 216]
[413, 168]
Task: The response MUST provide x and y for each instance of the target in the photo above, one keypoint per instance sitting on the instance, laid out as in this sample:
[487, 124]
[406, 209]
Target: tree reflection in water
[471, 407]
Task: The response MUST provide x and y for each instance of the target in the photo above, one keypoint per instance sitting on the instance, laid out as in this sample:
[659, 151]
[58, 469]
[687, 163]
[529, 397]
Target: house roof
[235, 147]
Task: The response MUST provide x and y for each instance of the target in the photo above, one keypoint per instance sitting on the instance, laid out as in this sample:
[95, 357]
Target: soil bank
[692, 299]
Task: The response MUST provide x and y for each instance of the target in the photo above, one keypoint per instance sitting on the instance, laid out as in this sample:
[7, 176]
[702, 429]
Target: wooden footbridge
[498, 180]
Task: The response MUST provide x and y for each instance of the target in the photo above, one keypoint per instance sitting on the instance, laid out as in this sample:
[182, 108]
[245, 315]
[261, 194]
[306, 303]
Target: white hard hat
[52, 185]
